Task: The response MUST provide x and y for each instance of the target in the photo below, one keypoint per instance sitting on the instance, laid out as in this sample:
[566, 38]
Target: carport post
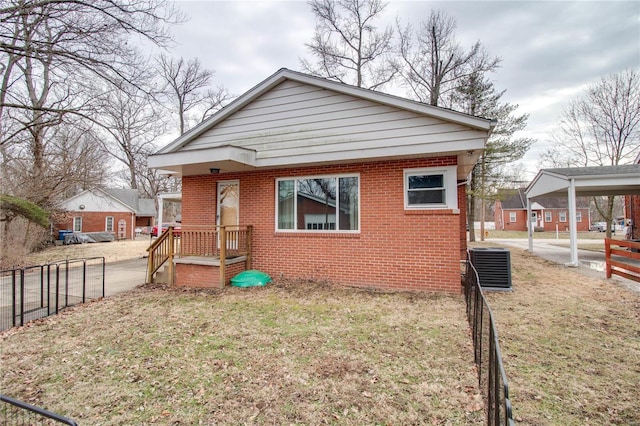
[529, 227]
[573, 229]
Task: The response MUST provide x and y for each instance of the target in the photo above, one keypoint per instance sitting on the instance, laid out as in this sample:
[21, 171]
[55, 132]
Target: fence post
[103, 276]
[21, 297]
[607, 257]
[13, 298]
[249, 236]
[223, 255]
[171, 249]
[48, 289]
[66, 284]
[42, 286]
[57, 286]
[84, 279]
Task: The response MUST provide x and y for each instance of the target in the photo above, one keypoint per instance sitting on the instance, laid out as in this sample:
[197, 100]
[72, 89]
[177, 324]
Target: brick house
[117, 211]
[335, 182]
[547, 212]
[632, 211]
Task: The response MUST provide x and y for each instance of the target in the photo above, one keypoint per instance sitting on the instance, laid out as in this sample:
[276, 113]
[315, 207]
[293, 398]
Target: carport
[572, 182]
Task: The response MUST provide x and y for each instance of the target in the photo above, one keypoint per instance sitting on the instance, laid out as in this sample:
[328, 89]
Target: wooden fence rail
[623, 250]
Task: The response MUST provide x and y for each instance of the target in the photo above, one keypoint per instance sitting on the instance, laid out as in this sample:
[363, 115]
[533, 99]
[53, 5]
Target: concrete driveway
[592, 263]
[124, 275]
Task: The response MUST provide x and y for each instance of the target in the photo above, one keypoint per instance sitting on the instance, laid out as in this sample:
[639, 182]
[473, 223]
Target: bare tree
[132, 124]
[433, 64]
[348, 47]
[600, 128]
[186, 86]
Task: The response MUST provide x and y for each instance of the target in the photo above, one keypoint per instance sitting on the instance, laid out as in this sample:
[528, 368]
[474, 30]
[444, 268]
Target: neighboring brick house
[117, 211]
[338, 183]
[547, 212]
[632, 211]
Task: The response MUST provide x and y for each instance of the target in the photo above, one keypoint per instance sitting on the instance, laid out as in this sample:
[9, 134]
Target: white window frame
[562, 216]
[77, 219]
[295, 205]
[106, 224]
[449, 174]
[513, 217]
[578, 216]
[548, 217]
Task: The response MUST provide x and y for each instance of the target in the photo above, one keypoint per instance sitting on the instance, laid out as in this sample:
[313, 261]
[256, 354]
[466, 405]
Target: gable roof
[122, 198]
[293, 119]
[517, 200]
[588, 181]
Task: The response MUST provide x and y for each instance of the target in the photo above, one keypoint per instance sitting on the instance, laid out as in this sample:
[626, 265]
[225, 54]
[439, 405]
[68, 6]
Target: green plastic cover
[250, 278]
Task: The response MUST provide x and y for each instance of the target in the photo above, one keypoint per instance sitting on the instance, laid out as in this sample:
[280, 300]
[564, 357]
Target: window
[77, 224]
[512, 217]
[108, 227]
[548, 217]
[430, 188]
[323, 203]
[578, 216]
[563, 216]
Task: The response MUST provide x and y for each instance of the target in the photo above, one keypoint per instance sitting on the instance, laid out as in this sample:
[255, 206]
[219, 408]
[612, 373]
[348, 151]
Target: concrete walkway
[592, 263]
[124, 275]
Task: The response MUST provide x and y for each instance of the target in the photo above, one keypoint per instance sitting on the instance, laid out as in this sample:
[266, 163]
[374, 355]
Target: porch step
[161, 276]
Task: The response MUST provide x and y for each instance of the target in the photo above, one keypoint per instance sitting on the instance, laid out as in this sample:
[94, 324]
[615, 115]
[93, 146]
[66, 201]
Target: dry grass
[313, 354]
[571, 346]
[282, 354]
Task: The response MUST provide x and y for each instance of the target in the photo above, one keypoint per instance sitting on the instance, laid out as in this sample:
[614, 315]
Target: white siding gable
[94, 201]
[297, 119]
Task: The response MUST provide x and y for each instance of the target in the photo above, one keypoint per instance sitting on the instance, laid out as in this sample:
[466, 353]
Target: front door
[228, 210]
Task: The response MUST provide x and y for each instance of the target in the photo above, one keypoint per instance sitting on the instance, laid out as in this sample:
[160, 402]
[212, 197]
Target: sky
[551, 51]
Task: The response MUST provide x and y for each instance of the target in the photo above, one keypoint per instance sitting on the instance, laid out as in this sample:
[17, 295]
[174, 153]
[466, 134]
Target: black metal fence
[491, 375]
[15, 413]
[38, 291]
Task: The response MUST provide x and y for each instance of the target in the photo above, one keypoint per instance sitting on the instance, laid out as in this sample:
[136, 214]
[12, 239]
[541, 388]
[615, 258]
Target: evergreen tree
[478, 96]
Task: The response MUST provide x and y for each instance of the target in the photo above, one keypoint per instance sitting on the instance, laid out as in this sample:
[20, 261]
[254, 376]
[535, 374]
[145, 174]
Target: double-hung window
[108, 226]
[430, 188]
[578, 216]
[318, 203]
[563, 216]
[548, 217]
[77, 224]
[512, 217]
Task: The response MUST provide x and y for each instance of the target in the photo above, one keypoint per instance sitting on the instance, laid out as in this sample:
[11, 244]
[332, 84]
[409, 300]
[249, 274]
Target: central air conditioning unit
[493, 266]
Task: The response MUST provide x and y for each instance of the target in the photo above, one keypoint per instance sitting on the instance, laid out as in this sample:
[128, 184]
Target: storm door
[228, 211]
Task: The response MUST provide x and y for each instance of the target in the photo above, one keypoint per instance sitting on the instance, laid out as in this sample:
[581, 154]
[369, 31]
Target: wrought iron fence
[491, 375]
[14, 412]
[38, 291]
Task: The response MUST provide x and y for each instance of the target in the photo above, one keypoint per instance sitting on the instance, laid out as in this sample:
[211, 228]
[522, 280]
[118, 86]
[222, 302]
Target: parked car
[176, 229]
[598, 227]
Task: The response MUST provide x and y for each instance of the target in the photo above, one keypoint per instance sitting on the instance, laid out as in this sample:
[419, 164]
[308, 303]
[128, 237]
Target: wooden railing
[161, 251]
[627, 250]
[220, 242]
[216, 242]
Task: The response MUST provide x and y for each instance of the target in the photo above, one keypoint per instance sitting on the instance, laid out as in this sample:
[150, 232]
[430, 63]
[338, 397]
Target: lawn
[571, 345]
[303, 353]
[282, 354]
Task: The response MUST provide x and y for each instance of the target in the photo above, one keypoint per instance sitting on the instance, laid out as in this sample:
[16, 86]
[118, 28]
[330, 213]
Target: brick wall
[521, 220]
[205, 276]
[96, 222]
[395, 249]
[632, 211]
